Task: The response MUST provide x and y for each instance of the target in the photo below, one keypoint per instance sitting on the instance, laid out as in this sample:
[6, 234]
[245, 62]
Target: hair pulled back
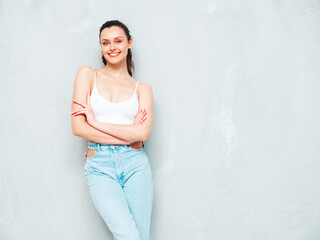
[130, 63]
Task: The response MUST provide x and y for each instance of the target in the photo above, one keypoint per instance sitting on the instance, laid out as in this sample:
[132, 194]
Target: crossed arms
[108, 133]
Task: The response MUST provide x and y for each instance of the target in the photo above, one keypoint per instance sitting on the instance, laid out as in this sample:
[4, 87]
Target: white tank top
[118, 113]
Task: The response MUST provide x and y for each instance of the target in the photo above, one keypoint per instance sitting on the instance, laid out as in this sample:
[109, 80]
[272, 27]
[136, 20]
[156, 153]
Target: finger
[143, 114]
[139, 114]
[137, 120]
[79, 111]
[76, 102]
[80, 114]
[143, 119]
[75, 112]
[80, 103]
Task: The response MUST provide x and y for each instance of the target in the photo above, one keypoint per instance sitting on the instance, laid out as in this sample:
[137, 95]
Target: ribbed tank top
[109, 112]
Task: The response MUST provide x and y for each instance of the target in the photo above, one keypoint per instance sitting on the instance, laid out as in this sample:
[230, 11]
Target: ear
[130, 43]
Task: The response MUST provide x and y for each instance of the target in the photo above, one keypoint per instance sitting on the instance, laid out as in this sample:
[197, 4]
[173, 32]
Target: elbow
[144, 137]
[76, 129]
[74, 132]
[144, 134]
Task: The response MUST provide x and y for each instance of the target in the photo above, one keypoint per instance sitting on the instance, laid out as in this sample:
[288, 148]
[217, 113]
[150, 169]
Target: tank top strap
[136, 87]
[94, 80]
[94, 76]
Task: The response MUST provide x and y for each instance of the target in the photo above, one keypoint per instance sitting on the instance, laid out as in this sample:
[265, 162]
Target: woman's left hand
[87, 110]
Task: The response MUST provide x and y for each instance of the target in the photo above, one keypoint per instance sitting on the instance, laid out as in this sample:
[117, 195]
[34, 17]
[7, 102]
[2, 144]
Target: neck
[117, 70]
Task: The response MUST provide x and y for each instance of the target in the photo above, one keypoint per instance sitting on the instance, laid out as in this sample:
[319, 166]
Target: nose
[112, 46]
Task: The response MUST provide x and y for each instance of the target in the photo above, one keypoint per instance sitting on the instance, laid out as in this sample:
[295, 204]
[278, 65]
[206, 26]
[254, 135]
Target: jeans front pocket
[137, 146]
[90, 153]
[91, 156]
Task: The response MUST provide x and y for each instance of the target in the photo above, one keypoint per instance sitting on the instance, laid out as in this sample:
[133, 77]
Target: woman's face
[114, 44]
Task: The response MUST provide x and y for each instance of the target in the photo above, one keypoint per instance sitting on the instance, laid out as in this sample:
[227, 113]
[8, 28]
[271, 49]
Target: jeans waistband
[98, 146]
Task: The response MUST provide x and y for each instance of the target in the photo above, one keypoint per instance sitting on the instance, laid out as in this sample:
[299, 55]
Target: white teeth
[113, 54]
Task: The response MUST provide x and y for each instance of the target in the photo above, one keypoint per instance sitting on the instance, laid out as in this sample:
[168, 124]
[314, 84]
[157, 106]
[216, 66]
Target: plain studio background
[235, 144]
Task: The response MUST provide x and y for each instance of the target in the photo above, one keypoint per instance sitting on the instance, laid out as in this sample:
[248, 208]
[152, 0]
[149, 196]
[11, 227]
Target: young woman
[114, 112]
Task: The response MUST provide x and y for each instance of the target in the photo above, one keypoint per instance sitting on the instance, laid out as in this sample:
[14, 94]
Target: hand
[87, 110]
[140, 117]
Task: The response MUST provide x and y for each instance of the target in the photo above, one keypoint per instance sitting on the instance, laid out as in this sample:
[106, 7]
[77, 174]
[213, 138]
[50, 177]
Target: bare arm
[129, 132]
[80, 126]
[94, 135]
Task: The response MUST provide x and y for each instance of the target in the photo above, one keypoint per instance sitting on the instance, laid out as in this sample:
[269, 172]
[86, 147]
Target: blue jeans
[121, 187]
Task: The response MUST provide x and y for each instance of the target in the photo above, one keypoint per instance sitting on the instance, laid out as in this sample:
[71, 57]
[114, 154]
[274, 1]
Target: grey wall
[235, 143]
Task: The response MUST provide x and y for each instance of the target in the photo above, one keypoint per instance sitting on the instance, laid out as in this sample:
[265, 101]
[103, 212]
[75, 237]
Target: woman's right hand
[140, 117]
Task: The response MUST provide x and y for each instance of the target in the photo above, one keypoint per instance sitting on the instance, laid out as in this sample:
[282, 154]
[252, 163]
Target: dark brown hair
[130, 63]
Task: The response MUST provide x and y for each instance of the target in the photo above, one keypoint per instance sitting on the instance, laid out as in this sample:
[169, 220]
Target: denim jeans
[121, 187]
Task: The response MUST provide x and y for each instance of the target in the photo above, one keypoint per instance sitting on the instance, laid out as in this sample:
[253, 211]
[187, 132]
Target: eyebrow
[108, 39]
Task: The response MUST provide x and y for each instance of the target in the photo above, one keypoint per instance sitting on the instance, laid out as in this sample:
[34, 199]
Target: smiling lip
[115, 54]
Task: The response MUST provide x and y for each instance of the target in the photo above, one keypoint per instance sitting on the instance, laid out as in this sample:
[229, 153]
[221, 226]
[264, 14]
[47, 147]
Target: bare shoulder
[85, 70]
[83, 82]
[85, 76]
[144, 91]
[145, 87]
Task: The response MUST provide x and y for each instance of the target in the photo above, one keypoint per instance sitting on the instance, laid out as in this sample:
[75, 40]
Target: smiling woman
[114, 112]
